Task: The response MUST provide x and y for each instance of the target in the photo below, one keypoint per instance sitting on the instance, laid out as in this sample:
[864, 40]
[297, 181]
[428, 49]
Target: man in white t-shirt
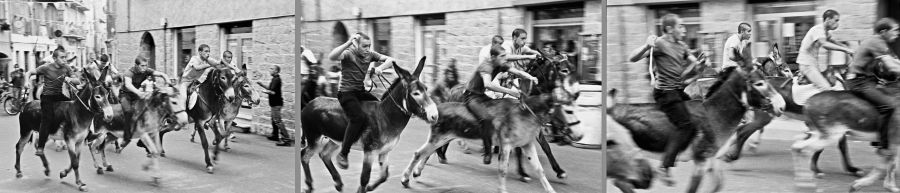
[518, 55]
[737, 42]
[819, 37]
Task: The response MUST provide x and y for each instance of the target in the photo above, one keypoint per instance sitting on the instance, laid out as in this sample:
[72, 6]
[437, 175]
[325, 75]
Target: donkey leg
[425, 150]
[814, 164]
[326, 154]
[890, 181]
[742, 135]
[20, 146]
[845, 156]
[442, 153]
[421, 164]
[382, 159]
[95, 147]
[504, 165]
[162, 151]
[152, 164]
[368, 158]
[217, 139]
[532, 158]
[205, 144]
[560, 173]
[624, 186]
[877, 172]
[697, 175]
[306, 154]
[814, 141]
[74, 148]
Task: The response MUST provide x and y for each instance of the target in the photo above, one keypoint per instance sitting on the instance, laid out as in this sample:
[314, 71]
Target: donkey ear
[402, 73]
[419, 68]
[612, 92]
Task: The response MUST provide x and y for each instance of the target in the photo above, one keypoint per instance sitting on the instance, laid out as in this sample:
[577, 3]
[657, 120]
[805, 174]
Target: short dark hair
[59, 50]
[518, 32]
[497, 39]
[203, 46]
[139, 59]
[104, 58]
[277, 68]
[363, 35]
[829, 14]
[227, 52]
[884, 24]
[743, 24]
[496, 50]
[668, 20]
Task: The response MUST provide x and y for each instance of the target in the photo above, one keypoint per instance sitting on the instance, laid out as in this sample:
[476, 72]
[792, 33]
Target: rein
[403, 108]
[78, 98]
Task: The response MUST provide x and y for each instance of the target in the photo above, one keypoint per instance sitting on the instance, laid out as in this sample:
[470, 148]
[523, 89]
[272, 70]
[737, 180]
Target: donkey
[212, 98]
[89, 102]
[323, 117]
[736, 90]
[145, 121]
[836, 116]
[516, 126]
[552, 72]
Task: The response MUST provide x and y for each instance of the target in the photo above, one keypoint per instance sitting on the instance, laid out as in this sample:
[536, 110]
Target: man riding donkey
[861, 77]
[817, 37]
[673, 64]
[736, 42]
[518, 56]
[134, 79]
[54, 76]
[355, 56]
[196, 72]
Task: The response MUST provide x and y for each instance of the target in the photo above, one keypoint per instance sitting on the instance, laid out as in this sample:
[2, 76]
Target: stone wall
[273, 43]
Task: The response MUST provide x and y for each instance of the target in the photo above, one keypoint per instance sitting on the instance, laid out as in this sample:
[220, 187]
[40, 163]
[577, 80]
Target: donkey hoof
[562, 175]
[339, 187]
[819, 175]
[442, 161]
[525, 179]
[163, 154]
[405, 183]
[416, 174]
[100, 171]
[370, 188]
[209, 169]
[47, 173]
[156, 181]
[109, 168]
[82, 188]
[62, 174]
[19, 175]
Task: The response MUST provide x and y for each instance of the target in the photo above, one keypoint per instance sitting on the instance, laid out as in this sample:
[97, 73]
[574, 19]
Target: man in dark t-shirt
[672, 63]
[276, 102]
[475, 97]
[54, 76]
[861, 77]
[17, 78]
[355, 58]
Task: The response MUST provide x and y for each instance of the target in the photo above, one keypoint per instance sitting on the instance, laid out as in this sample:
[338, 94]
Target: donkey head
[421, 104]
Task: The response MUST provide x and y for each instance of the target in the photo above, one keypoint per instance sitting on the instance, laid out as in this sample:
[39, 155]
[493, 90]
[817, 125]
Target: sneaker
[284, 143]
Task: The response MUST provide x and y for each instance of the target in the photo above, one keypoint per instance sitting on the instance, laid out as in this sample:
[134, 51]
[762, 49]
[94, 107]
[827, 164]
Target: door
[431, 44]
[240, 46]
[785, 24]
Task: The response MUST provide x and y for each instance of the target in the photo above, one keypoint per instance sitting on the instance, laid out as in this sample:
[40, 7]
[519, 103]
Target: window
[436, 19]
[558, 27]
[690, 15]
[238, 27]
[382, 36]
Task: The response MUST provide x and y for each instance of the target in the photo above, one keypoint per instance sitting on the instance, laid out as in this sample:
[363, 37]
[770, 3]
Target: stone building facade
[443, 29]
[710, 22]
[168, 32]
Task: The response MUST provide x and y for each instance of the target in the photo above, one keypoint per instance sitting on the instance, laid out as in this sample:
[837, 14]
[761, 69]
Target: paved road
[254, 164]
[770, 170]
[464, 172]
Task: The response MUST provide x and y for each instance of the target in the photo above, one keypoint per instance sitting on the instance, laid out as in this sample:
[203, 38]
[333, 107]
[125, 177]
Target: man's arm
[523, 74]
[309, 56]
[335, 53]
[893, 64]
[641, 53]
[829, 44]
[161, 75]
[488, 84]
[520, 57]
[130, 88]
[387, 62]
[27, 77]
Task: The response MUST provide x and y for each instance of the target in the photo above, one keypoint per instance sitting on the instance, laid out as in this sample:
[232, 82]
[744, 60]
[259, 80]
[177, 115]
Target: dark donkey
[836, 116]
[89, 102]
[516, 127]
[145, 121]
[213, 96]
[735, 91]
[323, 117]
[552, 72]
